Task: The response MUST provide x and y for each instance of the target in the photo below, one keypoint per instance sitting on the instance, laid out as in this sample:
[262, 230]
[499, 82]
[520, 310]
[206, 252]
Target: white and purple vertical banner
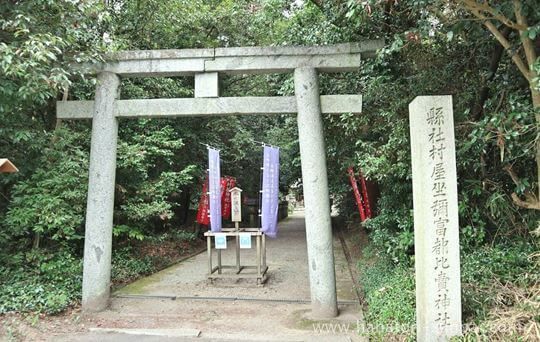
[214, 188]
[270, 191]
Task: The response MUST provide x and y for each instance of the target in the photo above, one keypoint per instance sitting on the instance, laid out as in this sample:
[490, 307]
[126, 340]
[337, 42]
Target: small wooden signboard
[236, 204]
[6, 166]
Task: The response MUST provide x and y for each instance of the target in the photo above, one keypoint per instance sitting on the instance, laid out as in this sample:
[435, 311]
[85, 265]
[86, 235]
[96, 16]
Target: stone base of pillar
[96, 303]
[323, 311]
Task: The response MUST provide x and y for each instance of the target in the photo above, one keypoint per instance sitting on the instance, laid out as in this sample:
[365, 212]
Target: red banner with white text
[202, 212]
[226, 184]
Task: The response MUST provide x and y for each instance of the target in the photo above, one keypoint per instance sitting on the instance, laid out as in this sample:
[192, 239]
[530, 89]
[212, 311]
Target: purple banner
[214, 188]
[270, 191]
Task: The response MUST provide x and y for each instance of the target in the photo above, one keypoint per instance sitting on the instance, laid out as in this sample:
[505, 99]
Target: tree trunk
[185, 205]
[478, 108]
[536, 105]
[37, 239]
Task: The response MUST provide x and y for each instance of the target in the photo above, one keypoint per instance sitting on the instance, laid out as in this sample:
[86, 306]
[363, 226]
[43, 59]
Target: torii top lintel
[238, 60]
[207, 64]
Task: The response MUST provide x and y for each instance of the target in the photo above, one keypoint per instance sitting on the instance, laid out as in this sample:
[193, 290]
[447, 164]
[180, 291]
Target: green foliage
[50, 283]
[389, 293]
[39, 39]
[161, 163]
[51, 202]
[508, 262]
[423, 57]
[389, 288]
[147, 155]
[126, 266]
[47, 283]
[536, 68]
[175, 235]
[128, 232]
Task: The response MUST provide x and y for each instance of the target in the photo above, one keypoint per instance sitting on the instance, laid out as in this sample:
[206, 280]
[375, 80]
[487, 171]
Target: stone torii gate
[206, 65]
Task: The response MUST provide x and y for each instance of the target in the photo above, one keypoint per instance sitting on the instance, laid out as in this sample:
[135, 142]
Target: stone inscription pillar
[322, 277]
[100, 204]
[436, 229]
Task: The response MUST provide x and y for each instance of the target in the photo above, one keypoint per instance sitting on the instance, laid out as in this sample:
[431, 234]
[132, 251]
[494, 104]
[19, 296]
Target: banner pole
[259, 204]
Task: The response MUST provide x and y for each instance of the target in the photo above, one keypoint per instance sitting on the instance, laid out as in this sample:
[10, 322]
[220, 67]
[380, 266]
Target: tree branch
[531, 202]
[472, 5]
[524, 204]
[528, 46]
[506, 44]
[523, 68]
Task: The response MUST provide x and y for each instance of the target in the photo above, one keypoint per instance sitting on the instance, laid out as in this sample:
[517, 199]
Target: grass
[389, 296]
[500, 294]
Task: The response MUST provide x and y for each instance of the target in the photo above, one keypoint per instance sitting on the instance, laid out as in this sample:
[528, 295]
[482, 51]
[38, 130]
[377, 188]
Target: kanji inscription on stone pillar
[436, 227]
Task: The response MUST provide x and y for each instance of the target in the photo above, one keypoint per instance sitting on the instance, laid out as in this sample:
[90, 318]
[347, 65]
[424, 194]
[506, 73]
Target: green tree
[523, 18]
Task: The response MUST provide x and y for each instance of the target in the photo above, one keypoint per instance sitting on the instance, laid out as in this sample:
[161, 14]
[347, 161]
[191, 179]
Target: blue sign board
[220, 240]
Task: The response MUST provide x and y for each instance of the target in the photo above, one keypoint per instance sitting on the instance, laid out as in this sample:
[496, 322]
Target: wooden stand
[260, 266]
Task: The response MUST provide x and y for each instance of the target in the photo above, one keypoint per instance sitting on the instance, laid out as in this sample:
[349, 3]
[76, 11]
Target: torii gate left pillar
[100, 204]
[206, 65]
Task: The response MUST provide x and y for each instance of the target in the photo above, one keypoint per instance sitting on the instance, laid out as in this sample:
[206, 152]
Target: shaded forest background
[432, 47]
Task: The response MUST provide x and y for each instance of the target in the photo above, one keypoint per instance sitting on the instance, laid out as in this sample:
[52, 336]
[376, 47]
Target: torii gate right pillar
[322, 278]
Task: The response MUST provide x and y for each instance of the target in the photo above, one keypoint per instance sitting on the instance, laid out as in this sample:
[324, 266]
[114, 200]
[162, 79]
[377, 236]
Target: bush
[126, 266]
[48, 284]
[177, 235]
[50, 204]
[488, 275]
[389, 292]
[484, 269]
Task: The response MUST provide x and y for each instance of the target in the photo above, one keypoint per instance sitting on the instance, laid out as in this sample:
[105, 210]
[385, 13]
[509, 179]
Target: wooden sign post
[236, 217]
[236, 205]
[7, 167]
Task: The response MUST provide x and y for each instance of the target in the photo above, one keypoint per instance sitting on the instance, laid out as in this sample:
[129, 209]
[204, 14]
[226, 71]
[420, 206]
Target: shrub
[388, 291]
[50, 204]
[127, 266]
[490, 267]
[49, 284]
[498, 278]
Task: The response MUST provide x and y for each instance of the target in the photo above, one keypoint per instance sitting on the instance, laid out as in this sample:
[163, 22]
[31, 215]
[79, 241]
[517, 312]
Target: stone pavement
[179, 303]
